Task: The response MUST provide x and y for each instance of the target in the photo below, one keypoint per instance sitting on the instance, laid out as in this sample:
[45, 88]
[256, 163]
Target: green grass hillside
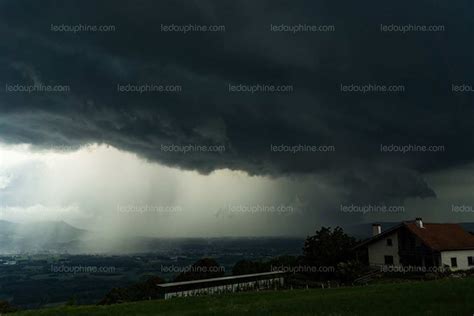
[441, 297]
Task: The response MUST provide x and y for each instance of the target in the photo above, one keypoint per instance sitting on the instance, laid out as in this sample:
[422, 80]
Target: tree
[347, 272]
[137, 292]
[327, 248]
[6, 307]
[250, 267]
[116, 296]
[205, 268]
[71, 301]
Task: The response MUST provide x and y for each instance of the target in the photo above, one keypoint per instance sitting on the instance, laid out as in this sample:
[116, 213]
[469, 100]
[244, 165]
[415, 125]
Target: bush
[347, 272]
[250, 267]
[6, 307]
[137, 292]
[205, 268]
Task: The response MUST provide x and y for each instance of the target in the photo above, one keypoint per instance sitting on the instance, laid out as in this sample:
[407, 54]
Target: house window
[389, 242]
[388, 260]
[470, 261]
[454, 262]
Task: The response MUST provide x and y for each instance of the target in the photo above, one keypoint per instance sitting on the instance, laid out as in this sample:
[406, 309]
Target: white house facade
[384, 248]
[458, 259]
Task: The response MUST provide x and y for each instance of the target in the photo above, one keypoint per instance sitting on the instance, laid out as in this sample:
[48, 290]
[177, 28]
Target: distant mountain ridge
[25, 237]
[364, 230]
[61, 237]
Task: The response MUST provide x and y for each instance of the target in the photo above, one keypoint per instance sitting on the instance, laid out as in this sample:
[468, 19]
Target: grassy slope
[443, 297]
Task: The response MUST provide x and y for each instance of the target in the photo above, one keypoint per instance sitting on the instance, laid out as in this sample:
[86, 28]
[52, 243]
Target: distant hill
[28, 237]
[6, 227]
[62, 237]
[364, 230]
[468, 226]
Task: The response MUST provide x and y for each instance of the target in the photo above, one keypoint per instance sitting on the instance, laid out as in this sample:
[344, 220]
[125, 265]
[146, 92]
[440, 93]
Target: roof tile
[443, 236]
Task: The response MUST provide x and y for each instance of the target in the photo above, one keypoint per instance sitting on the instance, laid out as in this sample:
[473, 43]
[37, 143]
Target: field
[440, 297]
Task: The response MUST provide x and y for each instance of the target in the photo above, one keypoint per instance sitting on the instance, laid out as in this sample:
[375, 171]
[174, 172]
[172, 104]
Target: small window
[389, 242]
[388, 259]
[454, 262]
[470, 261]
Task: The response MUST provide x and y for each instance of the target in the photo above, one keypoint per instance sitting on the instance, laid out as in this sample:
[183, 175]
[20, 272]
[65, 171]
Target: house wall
[379, 249]
[461, 256]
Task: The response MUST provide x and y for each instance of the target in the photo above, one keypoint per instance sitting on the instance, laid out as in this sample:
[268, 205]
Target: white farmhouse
[419, 244]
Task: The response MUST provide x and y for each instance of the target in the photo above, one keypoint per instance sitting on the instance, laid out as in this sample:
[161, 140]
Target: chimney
[419, 222]
[376, 229]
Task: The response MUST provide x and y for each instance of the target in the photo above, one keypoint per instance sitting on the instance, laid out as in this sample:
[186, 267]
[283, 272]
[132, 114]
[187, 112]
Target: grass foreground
[440, 297]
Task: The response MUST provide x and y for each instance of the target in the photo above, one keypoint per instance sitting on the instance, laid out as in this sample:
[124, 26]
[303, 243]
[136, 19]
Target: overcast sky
[102, 157]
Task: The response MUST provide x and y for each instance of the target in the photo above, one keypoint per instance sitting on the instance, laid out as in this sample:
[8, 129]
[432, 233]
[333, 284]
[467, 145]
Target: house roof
[439, 237]
[443, 236]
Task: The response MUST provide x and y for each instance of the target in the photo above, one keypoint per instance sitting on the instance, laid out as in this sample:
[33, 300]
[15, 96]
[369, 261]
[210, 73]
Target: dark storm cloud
[316, 112]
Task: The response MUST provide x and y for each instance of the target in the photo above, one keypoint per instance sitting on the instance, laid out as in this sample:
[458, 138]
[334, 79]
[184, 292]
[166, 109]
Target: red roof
[442, 236]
